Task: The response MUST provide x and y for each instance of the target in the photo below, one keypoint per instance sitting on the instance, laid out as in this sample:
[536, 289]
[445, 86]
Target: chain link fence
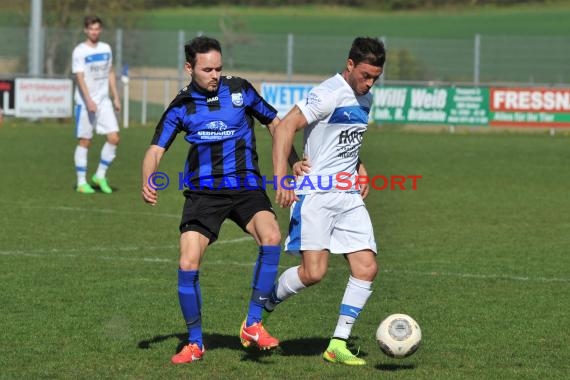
[525, 60]
[155, 60]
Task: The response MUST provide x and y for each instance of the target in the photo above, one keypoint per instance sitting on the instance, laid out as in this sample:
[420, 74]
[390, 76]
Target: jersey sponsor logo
[347, 137]
[237, 99]
[96, 69]
[216, 130]
[349, 143]
[217, 125]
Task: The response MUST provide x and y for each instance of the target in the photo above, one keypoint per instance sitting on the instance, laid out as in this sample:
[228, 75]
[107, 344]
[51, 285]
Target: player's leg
[202, 217]
[106, 124]
[353, 233]
[312, 270]
[363, 269]
[265, 230]
[310, 228]
[253, 212]
[84, 134]
[192, 247]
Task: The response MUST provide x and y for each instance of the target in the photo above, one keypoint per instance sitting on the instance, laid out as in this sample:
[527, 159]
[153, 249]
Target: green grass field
[477, 255]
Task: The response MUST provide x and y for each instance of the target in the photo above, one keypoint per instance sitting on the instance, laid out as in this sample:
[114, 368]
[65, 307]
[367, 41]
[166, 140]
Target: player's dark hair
[200, 45]
[92, 19]
[368, 50]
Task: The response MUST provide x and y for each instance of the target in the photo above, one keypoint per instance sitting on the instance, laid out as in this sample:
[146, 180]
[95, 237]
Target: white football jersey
[95, 63]
[337, 120]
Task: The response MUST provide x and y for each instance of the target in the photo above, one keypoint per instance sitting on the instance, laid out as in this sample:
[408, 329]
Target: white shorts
[103, 121]
[336, 221]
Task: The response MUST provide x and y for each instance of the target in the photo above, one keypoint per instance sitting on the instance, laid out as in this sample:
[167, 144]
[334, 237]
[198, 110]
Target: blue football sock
[264, 274]
[191, 304]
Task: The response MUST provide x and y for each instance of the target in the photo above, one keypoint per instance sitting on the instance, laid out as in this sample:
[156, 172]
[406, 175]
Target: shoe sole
[326, 357]
[191, 361]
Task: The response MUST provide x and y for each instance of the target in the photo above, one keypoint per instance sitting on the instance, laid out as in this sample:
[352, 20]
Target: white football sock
[288, 284]
[355, 296]
[80, 158]
[108, 154]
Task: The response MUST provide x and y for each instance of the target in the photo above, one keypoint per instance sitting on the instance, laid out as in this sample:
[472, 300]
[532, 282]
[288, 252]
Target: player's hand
[91, 105]
[364, 187]
[117, 104]
[285, 198]
[302, 167]
[149, 195]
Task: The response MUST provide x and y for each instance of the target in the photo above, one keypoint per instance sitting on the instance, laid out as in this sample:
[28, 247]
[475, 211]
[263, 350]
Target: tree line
[376, 4]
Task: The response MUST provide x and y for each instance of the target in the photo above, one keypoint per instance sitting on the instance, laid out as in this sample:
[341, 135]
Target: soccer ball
[399, 336]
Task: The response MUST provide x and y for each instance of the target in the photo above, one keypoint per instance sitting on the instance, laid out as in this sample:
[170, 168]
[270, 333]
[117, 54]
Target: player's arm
[89, 103]
[283, 139]
[165, 133]
[296, 164]
[113, 88]
[362, 172]
[150, 164]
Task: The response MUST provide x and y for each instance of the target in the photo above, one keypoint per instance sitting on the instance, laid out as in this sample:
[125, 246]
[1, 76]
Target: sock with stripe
[108, 153]
[80, 158]
[355, 296]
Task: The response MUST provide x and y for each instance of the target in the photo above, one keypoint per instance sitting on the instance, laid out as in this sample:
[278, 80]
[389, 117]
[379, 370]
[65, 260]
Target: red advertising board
[532, 107]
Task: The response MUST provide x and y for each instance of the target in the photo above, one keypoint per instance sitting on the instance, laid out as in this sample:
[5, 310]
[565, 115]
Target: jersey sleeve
[318, 105]
[168, 127]
[77, 61]
[257, 106]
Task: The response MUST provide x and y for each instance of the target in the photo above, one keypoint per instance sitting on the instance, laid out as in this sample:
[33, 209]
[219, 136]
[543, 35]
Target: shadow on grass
[312, 346]
[395, 367]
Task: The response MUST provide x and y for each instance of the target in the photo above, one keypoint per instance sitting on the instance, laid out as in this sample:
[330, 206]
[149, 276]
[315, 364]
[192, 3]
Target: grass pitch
[477, 255]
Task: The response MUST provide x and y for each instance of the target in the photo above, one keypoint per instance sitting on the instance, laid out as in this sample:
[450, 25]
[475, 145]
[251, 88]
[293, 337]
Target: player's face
[93, 32]
[361, 77]
[207, 70]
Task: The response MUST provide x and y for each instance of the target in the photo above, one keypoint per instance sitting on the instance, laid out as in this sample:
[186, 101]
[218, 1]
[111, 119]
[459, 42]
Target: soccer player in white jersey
[326, 216]
[92, 64]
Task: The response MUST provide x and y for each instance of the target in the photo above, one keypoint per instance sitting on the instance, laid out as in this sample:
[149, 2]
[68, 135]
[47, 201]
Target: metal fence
[156, 59]
[478, 59]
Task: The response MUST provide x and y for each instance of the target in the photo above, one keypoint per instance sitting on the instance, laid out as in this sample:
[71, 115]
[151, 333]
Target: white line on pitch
[63, 253]
[105, 211]
[479, 276]
[101, 211]
[68, 252]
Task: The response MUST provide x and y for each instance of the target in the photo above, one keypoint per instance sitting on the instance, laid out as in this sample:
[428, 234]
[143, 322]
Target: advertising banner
[530, 107]
[431, 105]
[283, 96]
[39, 98]
[458, 106]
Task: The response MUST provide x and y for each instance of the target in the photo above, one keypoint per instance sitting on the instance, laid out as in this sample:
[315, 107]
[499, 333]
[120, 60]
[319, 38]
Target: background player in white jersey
[92, 64]
[326, 217]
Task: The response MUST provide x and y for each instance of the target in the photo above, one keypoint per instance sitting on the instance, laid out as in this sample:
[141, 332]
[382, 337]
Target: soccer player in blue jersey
[222, 178]
[335, 219]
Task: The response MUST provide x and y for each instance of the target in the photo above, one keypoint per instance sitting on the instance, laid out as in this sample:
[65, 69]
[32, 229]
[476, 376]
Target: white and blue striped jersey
[337, 120]
[95, 63]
